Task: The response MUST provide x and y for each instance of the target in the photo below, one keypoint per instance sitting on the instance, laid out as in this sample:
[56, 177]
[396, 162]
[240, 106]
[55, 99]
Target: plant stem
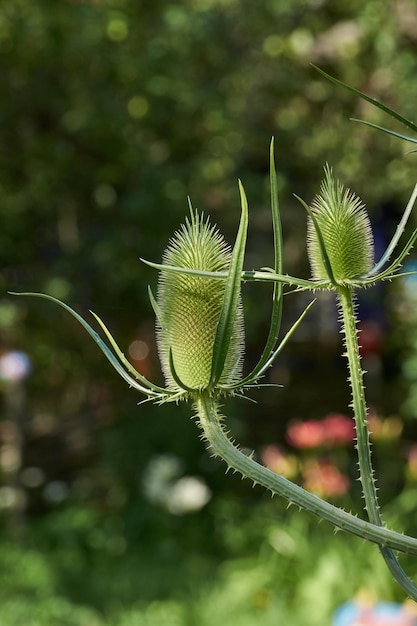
[222, 446]
[359, 404]
[366, 471]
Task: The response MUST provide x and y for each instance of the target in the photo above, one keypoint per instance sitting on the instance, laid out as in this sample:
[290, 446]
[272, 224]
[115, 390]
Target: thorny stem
[217, 440]
[345, 295]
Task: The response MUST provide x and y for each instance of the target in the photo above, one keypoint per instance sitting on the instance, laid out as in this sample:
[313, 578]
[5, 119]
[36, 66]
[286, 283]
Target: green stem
[366, 471]
[222, 446]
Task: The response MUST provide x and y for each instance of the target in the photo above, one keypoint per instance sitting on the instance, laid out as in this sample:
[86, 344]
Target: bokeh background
[111, 113]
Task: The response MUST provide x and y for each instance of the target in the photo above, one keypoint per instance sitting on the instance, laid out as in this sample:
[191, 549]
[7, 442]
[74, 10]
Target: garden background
[112, 112]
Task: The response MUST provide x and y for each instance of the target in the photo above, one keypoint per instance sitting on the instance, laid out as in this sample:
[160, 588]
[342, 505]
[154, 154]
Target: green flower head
[346, 233]
[189, 307]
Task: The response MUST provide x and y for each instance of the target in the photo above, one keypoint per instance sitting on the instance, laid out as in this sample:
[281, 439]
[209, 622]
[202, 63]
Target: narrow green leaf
[376, 103]
[186, 270]
[285, 340]
[385, 130]
[398, 275]
[323, 251]
[106, 351]
[276, 314]
[254, 376]
[251, 275]
[278, 246]
[231, 296]
[388, 272]
[269, 275]
[398, 232]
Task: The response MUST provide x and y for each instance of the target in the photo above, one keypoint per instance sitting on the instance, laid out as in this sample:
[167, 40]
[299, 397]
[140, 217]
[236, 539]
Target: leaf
[285, 340]
[186, 270]
[398, 232]
[375, 103]
[278, 245]
[251, 378]
[149, 389]
[250, 275]
[277, 294]
[385, 130]
[231, 296]
[387, 274]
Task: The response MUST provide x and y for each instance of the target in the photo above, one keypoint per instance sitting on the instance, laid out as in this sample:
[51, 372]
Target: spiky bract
[190, 307]
[346, 232]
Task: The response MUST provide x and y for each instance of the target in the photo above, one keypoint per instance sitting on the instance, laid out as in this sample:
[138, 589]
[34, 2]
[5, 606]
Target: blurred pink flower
[305, 434]
[334, 429]
[324, 479]
[338, 429]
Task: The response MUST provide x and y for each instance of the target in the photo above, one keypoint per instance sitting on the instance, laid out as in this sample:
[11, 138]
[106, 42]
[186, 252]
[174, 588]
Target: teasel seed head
[190, 306]
[346, 233]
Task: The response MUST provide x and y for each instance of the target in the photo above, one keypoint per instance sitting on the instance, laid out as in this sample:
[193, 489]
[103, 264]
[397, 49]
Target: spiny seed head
[190, 307]
[346, 232]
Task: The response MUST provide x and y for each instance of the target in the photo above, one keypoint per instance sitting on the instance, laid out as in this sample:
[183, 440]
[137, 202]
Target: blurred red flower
[334, 429]
[338, 429]
[305, 435]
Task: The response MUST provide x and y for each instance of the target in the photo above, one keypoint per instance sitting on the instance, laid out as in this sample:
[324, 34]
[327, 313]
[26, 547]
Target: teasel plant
[200, 335]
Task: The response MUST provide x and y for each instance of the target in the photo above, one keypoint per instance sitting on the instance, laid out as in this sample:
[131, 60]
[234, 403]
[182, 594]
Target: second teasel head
[345, 230]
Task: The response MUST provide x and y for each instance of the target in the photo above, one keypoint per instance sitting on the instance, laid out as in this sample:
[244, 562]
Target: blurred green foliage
[273, 565]
[111, 112]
